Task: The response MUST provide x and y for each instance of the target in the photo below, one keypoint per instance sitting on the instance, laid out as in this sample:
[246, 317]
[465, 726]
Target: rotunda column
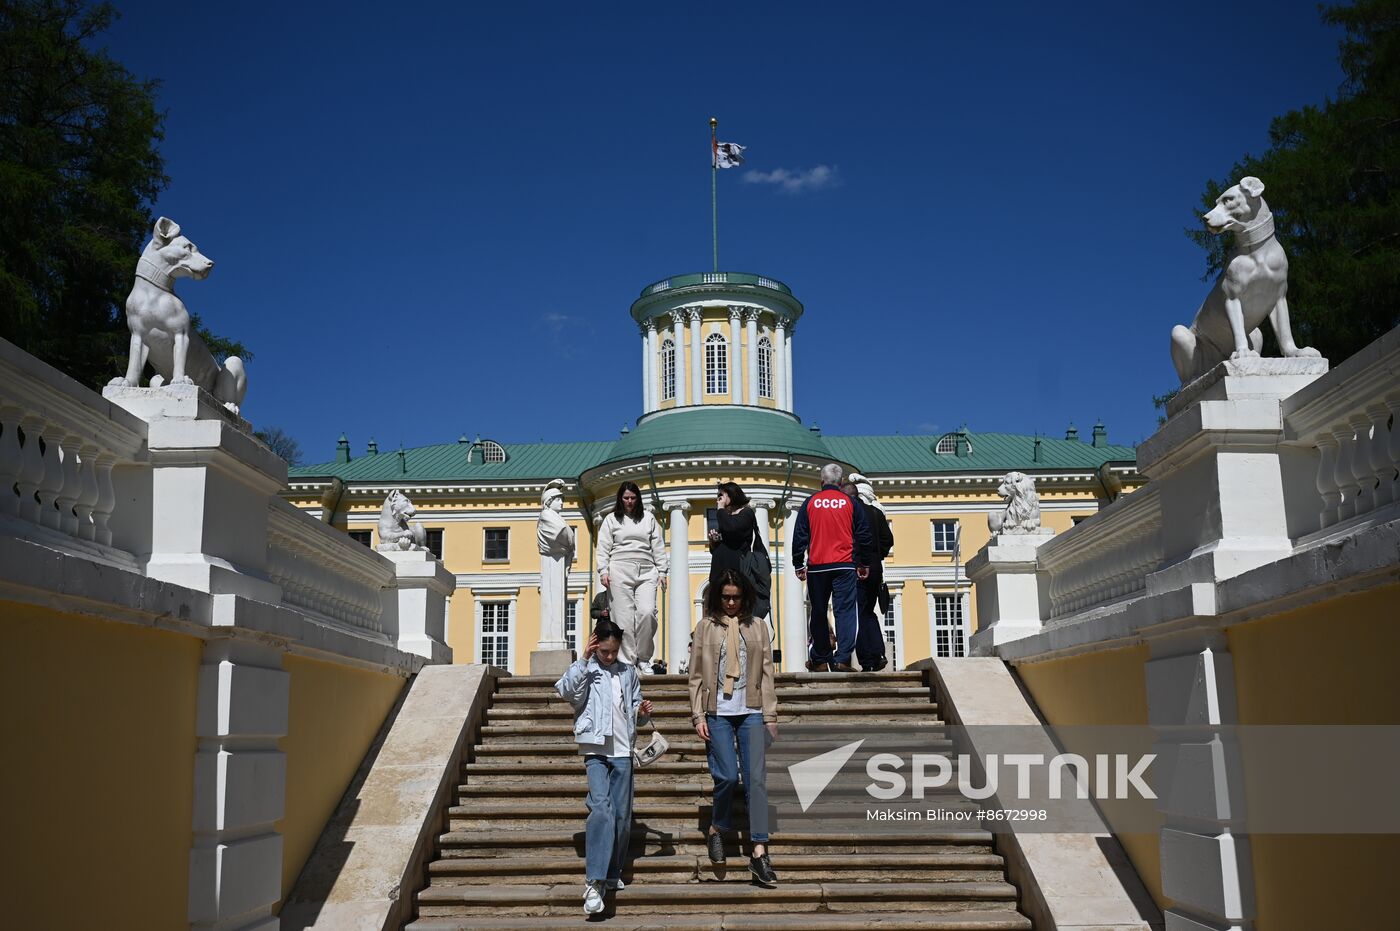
[697, 359]
[678, 589]
[678, 337]
[780, 366]
[794, 609]
[761, 507]
[751, 322]
[736, 364]
[787, 367]
[645, 329]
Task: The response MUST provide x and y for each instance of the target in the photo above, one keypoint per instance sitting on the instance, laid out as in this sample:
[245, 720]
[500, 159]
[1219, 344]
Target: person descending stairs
[512, 854]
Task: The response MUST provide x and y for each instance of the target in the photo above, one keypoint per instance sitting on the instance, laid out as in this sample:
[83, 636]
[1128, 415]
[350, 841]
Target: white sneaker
[616, 885]
[592, 897]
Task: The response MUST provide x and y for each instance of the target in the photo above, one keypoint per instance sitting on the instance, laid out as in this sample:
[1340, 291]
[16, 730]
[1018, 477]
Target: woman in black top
[737, 534]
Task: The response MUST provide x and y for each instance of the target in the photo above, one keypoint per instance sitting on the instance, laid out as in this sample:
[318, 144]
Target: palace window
[947, 625]
[434, 542]
[495, 637]
[945, 535]
[362, 536]
[888, 624]
[497, 548]
[486, 451]
[716, 364]
[668, 370]
[765, 367]
[572, 635]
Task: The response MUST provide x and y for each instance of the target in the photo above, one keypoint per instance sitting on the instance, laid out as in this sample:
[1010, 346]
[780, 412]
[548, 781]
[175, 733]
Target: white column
[678, 337]
[787, 367]
[678, 588]
[780, 363]
[761, 507]
[653, 368]
[751, 321]
[697, 359]
[646, 372]
[240, 786]
[794, 610]
[736, 364]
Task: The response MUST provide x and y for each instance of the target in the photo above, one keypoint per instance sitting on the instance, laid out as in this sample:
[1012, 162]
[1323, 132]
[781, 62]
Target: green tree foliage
[79, 170]
[1332, 180]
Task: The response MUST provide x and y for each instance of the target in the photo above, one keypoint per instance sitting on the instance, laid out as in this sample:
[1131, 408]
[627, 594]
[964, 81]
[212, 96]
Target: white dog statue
[1022, 512]
[160, 324]
[395, 531]
[1252, 288]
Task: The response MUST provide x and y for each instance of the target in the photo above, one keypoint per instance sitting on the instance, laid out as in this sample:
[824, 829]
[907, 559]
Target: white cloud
[798, 180]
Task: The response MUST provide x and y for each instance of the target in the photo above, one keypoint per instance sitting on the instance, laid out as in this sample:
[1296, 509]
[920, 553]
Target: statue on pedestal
[1022, 512]
[395, 531]
[557, 547]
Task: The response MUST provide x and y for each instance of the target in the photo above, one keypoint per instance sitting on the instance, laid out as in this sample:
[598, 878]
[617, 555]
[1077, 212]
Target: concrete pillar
[697, 359]
[794, 611]
[653, 395]
[787, 367]
[678, 589]
[422, 586]
[751, 325]
[736, 364]
[1008, 591]
[780, 364]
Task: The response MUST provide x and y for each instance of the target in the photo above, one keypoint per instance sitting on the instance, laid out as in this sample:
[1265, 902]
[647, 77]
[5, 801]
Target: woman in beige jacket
[734, 706]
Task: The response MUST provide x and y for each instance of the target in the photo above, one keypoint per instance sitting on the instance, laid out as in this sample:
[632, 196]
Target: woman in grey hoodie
[606, 694]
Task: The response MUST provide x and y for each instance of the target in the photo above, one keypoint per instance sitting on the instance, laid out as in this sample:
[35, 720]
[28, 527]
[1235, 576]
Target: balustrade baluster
[10, 458]
[52, 482]
[1361, 463]
[106, 498]
[1392, 403]
[87, 490]
[1377, 454]
[1331, 495]
[1346, 481]
[68, 494]
[31, 472]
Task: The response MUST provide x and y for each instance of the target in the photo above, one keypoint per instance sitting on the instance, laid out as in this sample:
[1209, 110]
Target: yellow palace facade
[717, 360]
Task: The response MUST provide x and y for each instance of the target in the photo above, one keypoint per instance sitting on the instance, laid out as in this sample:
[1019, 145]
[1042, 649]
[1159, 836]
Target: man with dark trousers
[870, 635]
[831, 551]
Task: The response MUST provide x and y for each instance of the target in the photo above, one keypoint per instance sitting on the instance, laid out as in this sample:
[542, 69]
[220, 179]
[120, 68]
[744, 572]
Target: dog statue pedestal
[1255, 378]
[1008, 594]
[189, 402]
[423, 585]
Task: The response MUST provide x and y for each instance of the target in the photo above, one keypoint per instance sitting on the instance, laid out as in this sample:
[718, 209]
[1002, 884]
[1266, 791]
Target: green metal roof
[990, 452]
[720, 429]
[448, 462]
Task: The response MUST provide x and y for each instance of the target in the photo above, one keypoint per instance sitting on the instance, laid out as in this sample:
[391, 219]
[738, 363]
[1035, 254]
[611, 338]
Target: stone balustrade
[59, 444]
[323, 571]
[1347, 421]
[1106, 557]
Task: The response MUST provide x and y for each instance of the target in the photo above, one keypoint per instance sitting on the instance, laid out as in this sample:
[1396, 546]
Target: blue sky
[431, 219]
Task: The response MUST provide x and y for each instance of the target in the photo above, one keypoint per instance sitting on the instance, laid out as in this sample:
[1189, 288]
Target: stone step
[679, 898]
[563, 728]
[906, 677]
[950, 867]
[505, 772]
[808, 693]
[667, 840]
[678, 786]
[980, 918]
[683, 745]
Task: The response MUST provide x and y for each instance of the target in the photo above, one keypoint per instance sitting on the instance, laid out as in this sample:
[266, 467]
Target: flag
[728, 155]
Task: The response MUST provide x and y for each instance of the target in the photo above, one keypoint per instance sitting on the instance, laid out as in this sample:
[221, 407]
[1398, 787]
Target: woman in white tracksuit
[631, 554]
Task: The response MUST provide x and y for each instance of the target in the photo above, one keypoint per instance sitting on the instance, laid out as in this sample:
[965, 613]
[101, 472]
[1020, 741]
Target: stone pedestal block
[423, 585]
[550, 662]
[1003, 574]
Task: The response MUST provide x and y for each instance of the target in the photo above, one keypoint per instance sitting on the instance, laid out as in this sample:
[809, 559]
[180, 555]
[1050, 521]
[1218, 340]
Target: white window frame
[946, 621]
[716, 364]
[668, 369]
[509, 602]
[952, 526]
[765, 367]
[892, 623]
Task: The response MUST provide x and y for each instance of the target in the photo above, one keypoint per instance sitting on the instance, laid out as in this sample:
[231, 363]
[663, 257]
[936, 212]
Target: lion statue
[395, 532]
[1022, 514]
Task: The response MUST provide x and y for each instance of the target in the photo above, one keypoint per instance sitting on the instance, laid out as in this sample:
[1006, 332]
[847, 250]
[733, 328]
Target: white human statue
[865, 491]
[1252, 288]
[1022, 512]
[395, 531]
[557, 547]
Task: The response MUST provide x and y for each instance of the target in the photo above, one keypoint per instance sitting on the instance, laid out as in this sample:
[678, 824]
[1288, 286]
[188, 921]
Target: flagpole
[714, 185]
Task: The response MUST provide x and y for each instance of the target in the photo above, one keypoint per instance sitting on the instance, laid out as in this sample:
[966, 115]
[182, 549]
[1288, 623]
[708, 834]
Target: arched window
[765, 367]
[947, 445]
[716, 364]
[486, 451]
[668, 370]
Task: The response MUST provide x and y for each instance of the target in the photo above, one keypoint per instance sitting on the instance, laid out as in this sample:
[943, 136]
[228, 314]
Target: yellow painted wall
[1104, 688]
[99, 740]
[1329, 663]
[335, 713]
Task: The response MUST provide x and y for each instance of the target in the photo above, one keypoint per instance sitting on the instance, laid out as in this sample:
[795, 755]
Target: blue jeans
[746, 731]
[839, 587]
[609, 827]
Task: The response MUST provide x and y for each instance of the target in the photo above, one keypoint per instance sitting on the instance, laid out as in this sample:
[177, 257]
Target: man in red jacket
[831, 548]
